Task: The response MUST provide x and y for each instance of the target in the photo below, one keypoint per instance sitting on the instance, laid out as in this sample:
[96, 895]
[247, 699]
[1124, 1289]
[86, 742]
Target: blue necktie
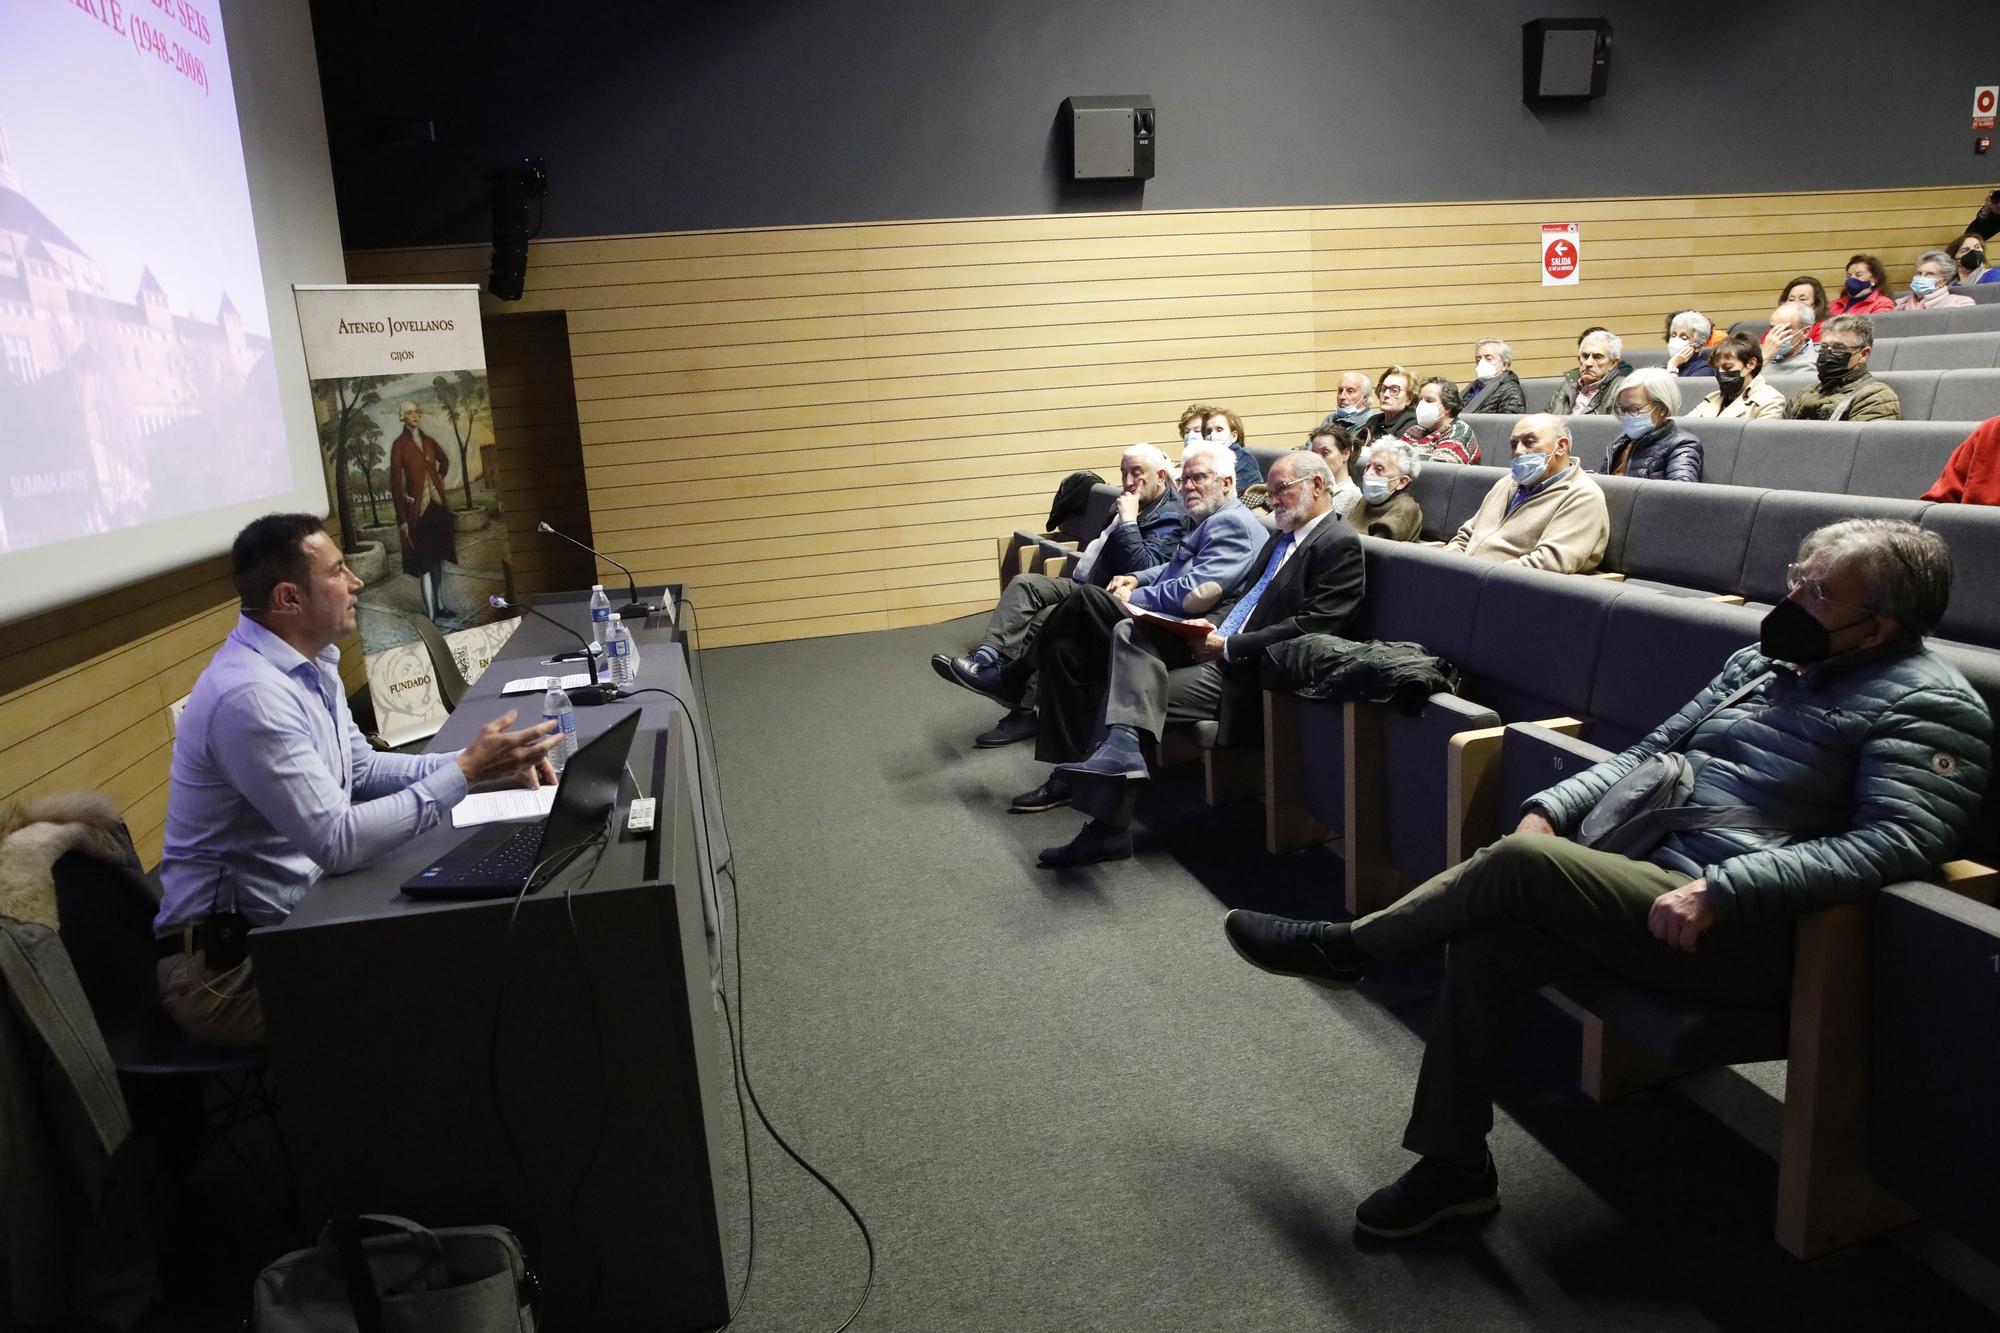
[1241, 611]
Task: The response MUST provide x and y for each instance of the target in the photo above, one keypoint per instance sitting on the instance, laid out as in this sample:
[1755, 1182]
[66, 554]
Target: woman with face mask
[1688, 334]
[1387, 508]
[1969, 251]
[1437, 434]
[1740, 390]
[1930, 285]
[1865, 291]
[1652, 446]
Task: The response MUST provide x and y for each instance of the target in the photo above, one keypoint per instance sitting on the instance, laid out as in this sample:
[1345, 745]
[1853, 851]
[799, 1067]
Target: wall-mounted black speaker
[1564, 60]
[1110, 138]
[509, 192]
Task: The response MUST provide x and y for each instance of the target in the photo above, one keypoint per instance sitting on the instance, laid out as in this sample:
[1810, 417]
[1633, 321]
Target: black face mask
[1971, 260]
[1729, 381]
[1791, 634]
[1832, 362]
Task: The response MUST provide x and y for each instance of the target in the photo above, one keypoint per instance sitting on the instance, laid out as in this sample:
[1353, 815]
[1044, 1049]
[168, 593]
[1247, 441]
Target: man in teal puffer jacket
[1855, 729]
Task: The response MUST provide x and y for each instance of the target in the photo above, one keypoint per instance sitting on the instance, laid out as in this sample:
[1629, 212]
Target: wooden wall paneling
[821, 428]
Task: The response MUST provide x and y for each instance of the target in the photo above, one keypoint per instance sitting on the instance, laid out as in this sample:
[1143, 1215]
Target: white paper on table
[492, 807]
[537, 684]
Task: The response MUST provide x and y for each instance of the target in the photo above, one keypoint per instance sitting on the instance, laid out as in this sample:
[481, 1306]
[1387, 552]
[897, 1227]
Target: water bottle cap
[597, 587]
[614, 615]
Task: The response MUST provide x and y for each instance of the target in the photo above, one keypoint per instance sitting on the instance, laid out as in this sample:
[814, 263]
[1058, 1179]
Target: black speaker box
[1564, 60]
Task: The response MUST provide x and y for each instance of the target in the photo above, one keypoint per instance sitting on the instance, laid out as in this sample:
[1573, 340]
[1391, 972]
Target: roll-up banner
[405, 431]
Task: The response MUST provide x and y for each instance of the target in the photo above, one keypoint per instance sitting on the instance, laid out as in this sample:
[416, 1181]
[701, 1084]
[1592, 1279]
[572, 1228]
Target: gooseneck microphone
[585, 696]
[632, 610]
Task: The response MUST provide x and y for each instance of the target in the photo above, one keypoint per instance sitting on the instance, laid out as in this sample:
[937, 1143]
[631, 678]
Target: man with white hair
[1145, 526]
[1545, 514]
[1306, 580]
[1071, 650]
[1354, 407]
[1494, 387]
[1789, 344]
[1592, 388]
[1688, 332]
[1838, 754]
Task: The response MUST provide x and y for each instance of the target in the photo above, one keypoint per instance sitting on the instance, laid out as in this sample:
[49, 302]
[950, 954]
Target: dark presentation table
[559, 1076]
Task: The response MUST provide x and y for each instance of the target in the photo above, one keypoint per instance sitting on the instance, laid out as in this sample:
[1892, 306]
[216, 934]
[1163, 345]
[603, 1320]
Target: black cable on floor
[739, 1041]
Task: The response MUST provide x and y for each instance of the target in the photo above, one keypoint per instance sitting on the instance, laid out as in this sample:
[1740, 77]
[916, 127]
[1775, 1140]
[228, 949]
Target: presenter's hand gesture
[499, 753]
[1679, 917]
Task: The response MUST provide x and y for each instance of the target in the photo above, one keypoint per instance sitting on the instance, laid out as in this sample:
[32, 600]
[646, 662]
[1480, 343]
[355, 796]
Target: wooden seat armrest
[1609, 576]
[1726, 598]
[1979, 882]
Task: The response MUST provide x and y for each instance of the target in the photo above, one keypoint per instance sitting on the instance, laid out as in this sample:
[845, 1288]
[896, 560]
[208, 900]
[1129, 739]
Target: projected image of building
[124, 411]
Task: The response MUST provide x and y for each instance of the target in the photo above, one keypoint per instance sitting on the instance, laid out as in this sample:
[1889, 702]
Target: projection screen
[163, 183]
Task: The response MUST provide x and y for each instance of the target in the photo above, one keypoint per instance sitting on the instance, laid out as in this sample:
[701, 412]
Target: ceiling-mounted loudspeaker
[1564, 60]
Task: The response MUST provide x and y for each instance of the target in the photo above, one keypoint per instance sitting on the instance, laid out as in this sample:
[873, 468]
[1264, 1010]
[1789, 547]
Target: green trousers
[1529, 910]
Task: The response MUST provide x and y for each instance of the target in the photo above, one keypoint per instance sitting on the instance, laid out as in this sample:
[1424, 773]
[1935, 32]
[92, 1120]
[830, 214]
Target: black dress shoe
[1018, 725]
[1426, 1195]
[1048, 796]
[983, 679]
[1092, 843]
[1318, 951]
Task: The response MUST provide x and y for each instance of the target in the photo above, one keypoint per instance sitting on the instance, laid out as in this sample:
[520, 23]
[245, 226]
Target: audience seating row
[1925, 395]
[1949, 351]
[1735, 541]
[1416, 794]
[1898, 324]
[1894, 459]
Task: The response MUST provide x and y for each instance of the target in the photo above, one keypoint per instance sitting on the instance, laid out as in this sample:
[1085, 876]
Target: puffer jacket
[1667, 452]
[1889, 748]
[1855, 396]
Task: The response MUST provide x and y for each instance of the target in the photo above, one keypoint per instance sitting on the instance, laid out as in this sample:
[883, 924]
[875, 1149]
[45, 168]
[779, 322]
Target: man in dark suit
[1306, 580]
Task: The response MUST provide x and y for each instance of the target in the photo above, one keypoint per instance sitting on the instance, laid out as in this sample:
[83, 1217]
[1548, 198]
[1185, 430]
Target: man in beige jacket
[1547, 515]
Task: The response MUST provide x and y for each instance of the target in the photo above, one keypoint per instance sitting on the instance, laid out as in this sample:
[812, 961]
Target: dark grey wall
[763, 112]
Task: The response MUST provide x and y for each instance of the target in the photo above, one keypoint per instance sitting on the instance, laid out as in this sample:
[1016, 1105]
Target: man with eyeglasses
[1835, 756]
[1846, 390]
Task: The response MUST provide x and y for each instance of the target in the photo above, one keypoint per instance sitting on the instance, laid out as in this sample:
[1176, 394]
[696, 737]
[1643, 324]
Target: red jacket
[1872, 304]
[1972, 474]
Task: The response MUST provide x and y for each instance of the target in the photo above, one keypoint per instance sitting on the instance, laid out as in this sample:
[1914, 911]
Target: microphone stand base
[589, 696]
[632, 611]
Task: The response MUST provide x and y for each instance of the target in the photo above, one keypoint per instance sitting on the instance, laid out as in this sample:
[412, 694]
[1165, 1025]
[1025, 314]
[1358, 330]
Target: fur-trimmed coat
[71, 1216]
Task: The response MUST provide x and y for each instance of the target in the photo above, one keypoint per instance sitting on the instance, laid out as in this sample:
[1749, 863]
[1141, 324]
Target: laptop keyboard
[512, 859]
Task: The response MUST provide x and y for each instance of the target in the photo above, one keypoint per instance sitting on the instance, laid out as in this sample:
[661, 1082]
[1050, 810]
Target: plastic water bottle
[600, 615]
[555, 708]
[617, 647]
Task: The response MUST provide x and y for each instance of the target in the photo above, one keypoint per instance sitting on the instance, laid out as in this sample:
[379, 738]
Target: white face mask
[1486, 370]
[1678, 345]
[1428, 413]
[1192, 438]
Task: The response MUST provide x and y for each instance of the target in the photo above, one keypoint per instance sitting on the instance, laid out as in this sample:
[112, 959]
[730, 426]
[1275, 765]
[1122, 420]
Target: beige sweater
[1561, 527]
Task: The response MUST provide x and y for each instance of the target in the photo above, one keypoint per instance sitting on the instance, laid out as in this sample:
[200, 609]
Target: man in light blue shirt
[273, 785]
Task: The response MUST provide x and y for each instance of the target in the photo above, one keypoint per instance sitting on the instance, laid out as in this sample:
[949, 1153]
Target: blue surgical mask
[1922, 285]
[1351, 413]
[1374, 489]
[1192, 438]
[1635, 424]
[1528, 468]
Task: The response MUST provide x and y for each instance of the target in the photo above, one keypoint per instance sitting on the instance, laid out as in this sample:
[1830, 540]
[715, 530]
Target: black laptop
[496, 862]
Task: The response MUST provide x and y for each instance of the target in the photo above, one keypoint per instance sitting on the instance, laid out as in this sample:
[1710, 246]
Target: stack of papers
[539, 684]
[494, 807]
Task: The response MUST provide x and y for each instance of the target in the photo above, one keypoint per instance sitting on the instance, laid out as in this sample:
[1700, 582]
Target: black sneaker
[1315, 950]
[1018, 725]
[1427, 1194]
[1048, 796]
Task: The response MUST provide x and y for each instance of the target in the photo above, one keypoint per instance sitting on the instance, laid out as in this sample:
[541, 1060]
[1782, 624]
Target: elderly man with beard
[1307, 580]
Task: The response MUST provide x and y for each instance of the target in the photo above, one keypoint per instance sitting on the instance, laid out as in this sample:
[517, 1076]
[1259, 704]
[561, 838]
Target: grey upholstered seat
[1797, 455]
[1964, 395]
[1689, 536]
[1950, 351]
[1658, 651]
[1900, 459]
[1782, 521]
[1973, 533]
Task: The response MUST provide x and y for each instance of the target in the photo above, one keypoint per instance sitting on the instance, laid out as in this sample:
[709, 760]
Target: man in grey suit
[1308, 579]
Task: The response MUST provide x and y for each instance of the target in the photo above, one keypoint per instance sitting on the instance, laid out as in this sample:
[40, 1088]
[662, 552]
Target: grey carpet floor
[1061, 1102]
